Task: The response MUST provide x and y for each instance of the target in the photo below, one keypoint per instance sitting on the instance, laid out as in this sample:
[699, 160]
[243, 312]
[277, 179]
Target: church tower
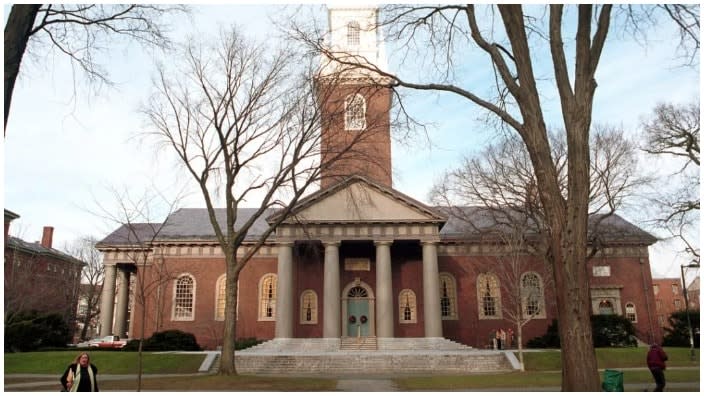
[355, 107]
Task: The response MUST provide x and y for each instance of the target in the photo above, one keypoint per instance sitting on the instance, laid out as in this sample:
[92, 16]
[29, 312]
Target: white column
[284, 292]
[431, 291]
[122, 304]
[384, 291]
[331, 291]
[107, 300]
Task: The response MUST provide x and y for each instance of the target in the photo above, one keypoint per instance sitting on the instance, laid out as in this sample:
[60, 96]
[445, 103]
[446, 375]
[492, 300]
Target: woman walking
[81, 375]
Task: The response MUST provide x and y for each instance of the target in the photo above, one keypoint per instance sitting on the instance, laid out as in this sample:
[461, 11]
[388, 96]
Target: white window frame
[183, 318]
[631, 310]
[220, 295]
[355, 120]
[262, 317]
[314, 307]
[452, 295]
[540, 297]
[353, 34]
[495, 293]
[407, 297]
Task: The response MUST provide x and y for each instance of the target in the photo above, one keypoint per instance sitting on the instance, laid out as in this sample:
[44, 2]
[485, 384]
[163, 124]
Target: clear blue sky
[65, 143]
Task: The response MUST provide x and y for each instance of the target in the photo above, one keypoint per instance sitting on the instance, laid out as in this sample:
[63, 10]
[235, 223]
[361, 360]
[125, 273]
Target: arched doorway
[358, 310]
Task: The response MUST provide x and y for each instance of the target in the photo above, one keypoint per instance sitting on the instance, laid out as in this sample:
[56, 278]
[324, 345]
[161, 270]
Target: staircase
[368, 355]
[358, 344]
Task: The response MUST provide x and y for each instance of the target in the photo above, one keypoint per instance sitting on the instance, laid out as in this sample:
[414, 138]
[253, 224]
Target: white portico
[359, 210]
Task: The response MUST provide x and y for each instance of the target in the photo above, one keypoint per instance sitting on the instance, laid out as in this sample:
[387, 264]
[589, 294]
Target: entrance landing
[315, 356]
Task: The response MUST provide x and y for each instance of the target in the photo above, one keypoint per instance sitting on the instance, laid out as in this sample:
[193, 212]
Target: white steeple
[354, 35]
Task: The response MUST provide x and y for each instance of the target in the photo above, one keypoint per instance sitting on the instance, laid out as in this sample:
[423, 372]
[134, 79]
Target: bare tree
[245, 120]
[137, 239]
[79, 32]
[673, 131]
[501, 181]
[91, 282]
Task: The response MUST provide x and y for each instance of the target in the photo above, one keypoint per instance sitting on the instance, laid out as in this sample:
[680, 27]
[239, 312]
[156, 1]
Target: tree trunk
[519, 339]
[227, 356]
[17, 32]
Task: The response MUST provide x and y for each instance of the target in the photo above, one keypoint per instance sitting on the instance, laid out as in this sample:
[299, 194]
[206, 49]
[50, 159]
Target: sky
[67, 142]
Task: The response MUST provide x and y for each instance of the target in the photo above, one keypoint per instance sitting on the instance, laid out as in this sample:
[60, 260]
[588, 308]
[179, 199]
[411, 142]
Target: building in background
[693, 294]
[38, 276]
[669, 298]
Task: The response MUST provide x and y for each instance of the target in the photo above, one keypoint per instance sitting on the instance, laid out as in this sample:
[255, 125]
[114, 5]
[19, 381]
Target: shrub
[607, 330]
[678, 332]
[244, 343]
[168, 340]
[31, 330]
[551, 338]
[613, 331]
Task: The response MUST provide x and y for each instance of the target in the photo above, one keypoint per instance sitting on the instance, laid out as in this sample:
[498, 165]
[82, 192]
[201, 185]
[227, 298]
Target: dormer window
[353, 33]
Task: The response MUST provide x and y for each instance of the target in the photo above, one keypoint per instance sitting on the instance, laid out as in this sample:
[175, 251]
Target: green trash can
[613, 381]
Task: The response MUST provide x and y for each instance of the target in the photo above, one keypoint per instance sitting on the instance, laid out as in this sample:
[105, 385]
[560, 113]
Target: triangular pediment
[361, 200]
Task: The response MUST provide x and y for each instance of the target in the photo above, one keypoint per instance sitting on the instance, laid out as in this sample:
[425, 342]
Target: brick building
[39, 277]
[361, 259]
[669, 298]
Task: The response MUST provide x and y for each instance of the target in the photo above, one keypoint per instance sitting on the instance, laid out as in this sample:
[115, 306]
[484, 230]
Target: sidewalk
[344, 384]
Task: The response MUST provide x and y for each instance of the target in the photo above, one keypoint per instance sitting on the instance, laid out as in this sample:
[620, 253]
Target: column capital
[330, 242]
[383, 242]
[433, 241]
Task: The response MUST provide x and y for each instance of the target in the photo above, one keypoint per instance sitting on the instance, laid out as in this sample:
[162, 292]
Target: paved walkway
[343, 384]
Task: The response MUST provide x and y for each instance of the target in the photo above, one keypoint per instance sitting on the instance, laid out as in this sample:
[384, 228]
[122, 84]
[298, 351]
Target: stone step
[358, 344]
[374, 362]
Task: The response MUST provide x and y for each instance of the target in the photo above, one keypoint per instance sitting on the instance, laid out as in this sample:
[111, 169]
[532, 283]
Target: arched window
[267, 297]
[220, 298]
[488, 296]
[220, 290]
[184, 298]
[631, 312]
[606, 307]
[355, 113]
[532, 295]
[407, 306]
[309, 307]
[448, 297]
[353, 33]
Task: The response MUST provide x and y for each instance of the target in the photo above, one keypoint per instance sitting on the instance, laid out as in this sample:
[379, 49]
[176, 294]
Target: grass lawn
[108, 362]
[525, 380]
[611, 358]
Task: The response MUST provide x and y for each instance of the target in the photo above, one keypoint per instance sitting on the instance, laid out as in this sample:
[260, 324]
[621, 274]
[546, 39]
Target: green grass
[610, 357]
[543, 369]
[525, 380]
[108, 362]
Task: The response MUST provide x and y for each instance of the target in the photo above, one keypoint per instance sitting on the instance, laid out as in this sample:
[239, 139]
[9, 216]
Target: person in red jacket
[656, 363]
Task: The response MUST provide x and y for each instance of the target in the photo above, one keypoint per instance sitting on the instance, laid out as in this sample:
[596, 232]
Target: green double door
[358, 320]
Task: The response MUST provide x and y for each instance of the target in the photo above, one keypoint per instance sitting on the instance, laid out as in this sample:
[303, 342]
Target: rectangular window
[601, 270]
[656, 289]
[658, 305]
[661, 320]
[675, 288]
[678, 304]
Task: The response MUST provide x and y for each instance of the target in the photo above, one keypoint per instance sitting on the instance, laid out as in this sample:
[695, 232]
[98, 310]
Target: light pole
[686, 308]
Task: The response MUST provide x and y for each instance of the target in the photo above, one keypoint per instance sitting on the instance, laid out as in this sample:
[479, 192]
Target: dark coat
[656, 357]
[84, 385]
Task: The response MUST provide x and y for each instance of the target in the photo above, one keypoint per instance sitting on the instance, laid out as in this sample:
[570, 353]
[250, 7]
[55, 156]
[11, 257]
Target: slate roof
[471, 222]
[186, 224]
[37, 249]
[194, 224]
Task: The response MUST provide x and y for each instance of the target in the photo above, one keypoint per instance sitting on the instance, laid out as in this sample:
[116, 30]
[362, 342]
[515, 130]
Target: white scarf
[77, 378]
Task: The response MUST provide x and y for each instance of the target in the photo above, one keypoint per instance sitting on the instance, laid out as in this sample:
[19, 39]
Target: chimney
[47, 237]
